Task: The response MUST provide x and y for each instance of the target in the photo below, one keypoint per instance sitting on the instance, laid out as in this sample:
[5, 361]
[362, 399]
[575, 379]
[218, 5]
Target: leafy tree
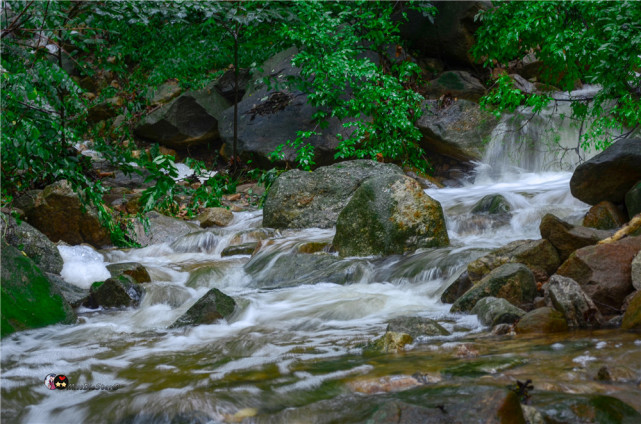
[596, 42]
[348, 74]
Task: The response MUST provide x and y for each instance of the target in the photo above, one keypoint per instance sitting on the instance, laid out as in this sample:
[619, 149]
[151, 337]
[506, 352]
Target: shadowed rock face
[610, 174]
[389, 214]
[567, 238]
[299, 199]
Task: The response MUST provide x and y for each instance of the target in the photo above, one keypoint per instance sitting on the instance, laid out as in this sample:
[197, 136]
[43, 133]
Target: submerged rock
[538, 255]
[213, 306]
[36, 245]
[608, 175]
[567, 297]
[299, 199]
[567, 238]
[28, 299]
[558, 407]
[542, 320]
[390, 342]
[493, 204]
[240, 249]
[604, 272]
[513, 282]
[494, 311]
[389, 214]
[416, 327]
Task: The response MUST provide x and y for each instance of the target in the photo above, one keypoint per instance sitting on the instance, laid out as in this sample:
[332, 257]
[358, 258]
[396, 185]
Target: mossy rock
[416, 327]
[240, 249]
[28, 299]
[133, 269]
[542, 320]
[493, 204]
[388, 343]
[570, 408]
[119, 292]
[632, 316]
[493, 311]
[213, 306]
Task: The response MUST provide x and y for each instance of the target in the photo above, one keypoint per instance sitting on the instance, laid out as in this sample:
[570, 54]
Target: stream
[293, 349]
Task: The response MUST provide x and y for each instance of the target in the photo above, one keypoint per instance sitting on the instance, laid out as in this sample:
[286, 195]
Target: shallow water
[289, 347]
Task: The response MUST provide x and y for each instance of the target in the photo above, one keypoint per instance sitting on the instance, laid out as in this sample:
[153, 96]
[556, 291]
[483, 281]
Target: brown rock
[604, 272]
[567, 238]
[220, 217]
[542, 320]
[57, 212]
[604, 216]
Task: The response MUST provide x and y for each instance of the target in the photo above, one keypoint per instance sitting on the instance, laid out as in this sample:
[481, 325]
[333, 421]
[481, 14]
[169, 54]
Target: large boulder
[608, 175]
[567, 238]
[59, 214]
[299, 199]
[269, 117]
[538, 255]
[459, 130]
[389, 214]
[449, 35]
[567, 297]
[604, 272]
[635, 272]
[189, 120]
[456, 84]
[28, 298]
[513, 282]
[36, 245]
[213, 306]
[492, 311]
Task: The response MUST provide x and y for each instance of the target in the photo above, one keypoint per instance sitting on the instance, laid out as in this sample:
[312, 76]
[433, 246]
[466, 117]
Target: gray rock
[133, 269]
[513, 282]
[416, 327]
[608, 175]
[389, 214]
[567, 297]
[164, 93]
[189, 120]
[73, 294]
[162, 229]
[36, 245]
[538, 255]
[457, 288]
[493, 311]
[213, 306]
[542, 320]
[460, 130]
[268, 117]
[299, 199]
[633, 200]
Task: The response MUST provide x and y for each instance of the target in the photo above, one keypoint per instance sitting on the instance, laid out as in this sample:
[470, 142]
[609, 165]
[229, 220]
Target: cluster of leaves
[350, 74]
[597, 42]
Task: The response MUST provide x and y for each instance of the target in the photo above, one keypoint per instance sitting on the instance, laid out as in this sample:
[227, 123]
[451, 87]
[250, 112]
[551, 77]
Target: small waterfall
[547, 141]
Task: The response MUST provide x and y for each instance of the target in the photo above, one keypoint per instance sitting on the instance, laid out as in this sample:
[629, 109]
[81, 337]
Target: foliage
[349, 74]
[595, 42]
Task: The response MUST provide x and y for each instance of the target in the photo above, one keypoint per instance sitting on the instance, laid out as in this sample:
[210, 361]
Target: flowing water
[293, 350]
